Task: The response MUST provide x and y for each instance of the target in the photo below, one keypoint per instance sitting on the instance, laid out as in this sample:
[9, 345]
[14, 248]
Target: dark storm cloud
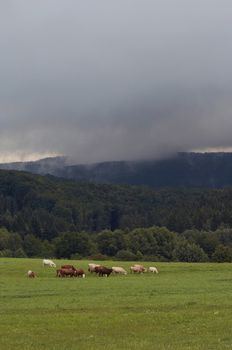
[103, 80]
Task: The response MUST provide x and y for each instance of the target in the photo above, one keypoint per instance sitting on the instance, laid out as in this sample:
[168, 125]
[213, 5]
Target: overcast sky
[114, 79]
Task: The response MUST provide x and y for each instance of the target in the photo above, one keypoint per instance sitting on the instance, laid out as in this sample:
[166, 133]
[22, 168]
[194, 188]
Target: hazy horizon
[72, 161]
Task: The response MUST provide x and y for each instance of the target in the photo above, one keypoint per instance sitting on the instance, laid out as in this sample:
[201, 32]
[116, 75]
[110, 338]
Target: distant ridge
[42, 167]
[191, 170]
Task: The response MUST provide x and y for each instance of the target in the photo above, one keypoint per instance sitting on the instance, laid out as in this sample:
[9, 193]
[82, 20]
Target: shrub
[6, 253]
[222, 254]
[19, 253]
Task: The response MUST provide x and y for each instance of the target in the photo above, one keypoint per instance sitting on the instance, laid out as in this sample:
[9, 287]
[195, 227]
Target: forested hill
[195, 170]
[191, 170]
[47, 206]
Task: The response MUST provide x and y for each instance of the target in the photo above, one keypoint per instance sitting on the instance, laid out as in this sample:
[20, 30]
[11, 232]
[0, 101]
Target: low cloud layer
[111, 80]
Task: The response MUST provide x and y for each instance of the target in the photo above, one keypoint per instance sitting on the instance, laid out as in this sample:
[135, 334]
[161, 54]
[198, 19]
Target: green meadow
[185, 306]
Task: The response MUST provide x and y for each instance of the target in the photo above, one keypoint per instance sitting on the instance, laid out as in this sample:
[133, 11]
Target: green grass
[186, 306]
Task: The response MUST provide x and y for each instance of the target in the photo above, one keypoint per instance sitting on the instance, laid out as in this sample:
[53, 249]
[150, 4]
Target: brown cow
[31, 274]
[91, 267]
[104, 271]
[97, 269]
[79, 273]
[65, 272]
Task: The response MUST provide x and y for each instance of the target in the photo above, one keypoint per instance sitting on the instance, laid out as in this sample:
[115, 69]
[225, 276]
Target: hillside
[195, 170]
[208, 170]
[47, 216]
[47, 206]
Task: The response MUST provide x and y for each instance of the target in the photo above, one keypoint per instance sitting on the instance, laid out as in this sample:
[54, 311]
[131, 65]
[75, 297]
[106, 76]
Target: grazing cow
[119, 270]
[79, 273]
[97, 269]
[153, 269]
[137, 269]
[47, 262]
[91, 267]
[65, 273]
[31, 274]
[141, 267]
[104, 271]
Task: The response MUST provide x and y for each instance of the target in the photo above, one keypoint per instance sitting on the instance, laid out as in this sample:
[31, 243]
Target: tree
[208, 241]
[71, 243]
[32, 246]
[165, 242]
[222, 254]
[9, 240]
[20, 253]
[6, 253]
[189, 252]
[106, 243]
[142, 240]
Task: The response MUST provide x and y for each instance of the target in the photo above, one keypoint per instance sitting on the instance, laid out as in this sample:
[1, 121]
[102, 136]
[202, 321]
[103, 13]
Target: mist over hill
[204, 170]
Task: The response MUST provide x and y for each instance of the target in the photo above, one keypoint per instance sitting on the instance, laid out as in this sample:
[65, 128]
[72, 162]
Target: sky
[114, 80]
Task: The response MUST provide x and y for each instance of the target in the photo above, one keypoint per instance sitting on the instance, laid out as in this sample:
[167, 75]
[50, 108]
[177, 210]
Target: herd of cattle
[71, 271]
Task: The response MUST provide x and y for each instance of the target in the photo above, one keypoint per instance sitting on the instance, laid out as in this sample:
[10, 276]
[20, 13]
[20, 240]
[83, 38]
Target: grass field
[186, 306]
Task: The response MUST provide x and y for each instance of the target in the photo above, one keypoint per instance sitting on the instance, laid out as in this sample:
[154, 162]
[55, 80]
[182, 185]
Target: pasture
[185, 306]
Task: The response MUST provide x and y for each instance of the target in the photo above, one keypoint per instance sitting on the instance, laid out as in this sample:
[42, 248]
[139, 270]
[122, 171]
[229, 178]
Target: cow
[91, 267]
[141, 267]
[31, 274]
[65, 272]
[153, 269]
[49, 263]
[97, 268]
[104, 271]
[137, 269]
[119, 270]
[79, 273]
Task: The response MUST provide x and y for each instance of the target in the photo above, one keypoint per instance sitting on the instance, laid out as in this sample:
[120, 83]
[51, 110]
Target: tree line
[144, 244]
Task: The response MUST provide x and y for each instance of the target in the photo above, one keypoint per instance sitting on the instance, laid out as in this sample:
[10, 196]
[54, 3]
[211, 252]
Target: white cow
[141, 267]
[91, 267]
[153, 269]
[137, 269]
[47, 262]
[119, 270]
